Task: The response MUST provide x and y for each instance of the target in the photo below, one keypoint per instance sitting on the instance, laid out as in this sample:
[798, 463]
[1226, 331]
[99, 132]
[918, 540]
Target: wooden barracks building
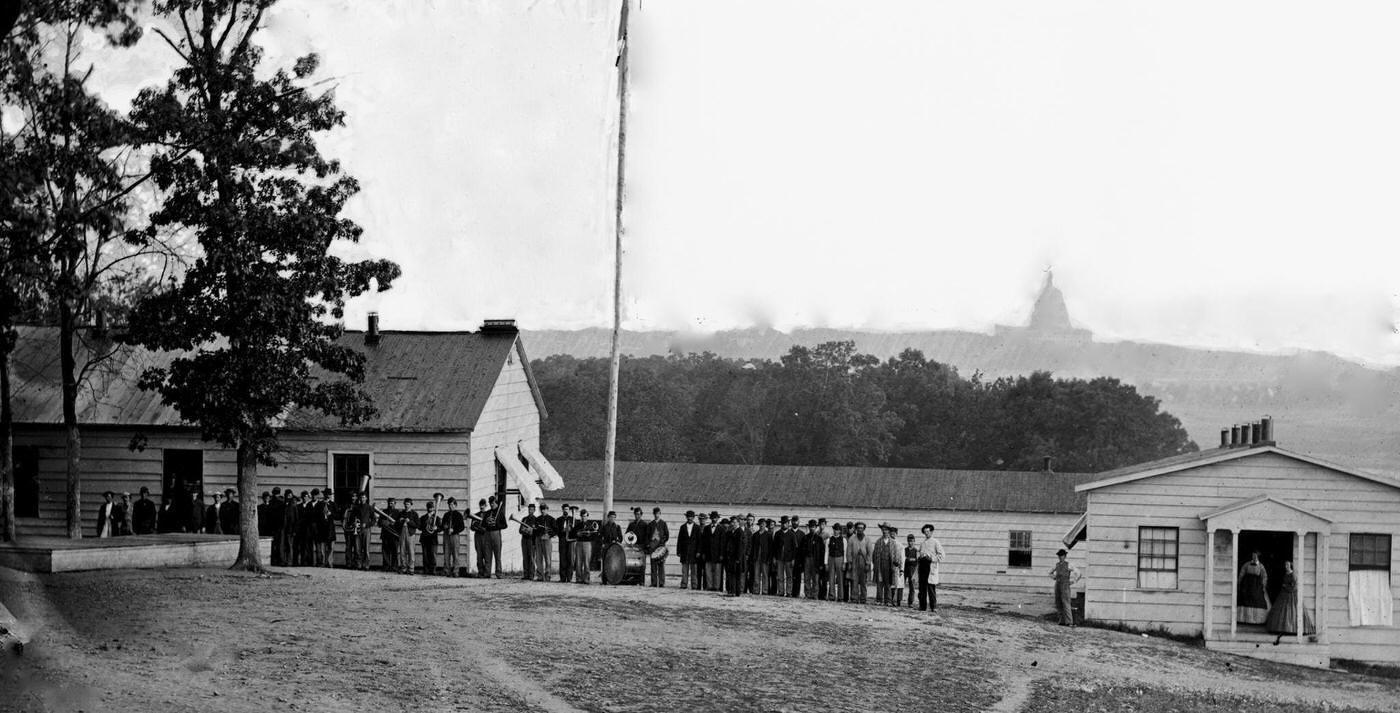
[457, 413]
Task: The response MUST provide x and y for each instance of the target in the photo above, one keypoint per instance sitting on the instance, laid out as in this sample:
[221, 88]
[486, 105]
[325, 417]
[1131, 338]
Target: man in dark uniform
[658, 535]
[715, 556]
[453, 524]
[784, 549]
[835, 564]
[702, 552]
[429, 525]
[586, 533]
[291, 521]
[740, 543]
[407, 524]
[364, 511]
[611, 531]
[168, 518]
[323, 523]
[353, 526]
[495, 523]
[264, 515]
[814, 558]
[212, 521]
[306, 527]
[798, 559]
[687, 538]
[274, 518]
[143, 514]
[527, 541]
[389, 535]
[642, 531]
[762, 544]
[478, 528]
[229, 516]
[564, 530]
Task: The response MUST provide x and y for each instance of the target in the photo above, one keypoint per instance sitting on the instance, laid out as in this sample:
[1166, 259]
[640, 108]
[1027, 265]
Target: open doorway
[1274, 549]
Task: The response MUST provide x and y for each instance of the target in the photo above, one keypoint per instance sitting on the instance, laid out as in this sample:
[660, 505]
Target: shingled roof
[828, 486]
[419, 381]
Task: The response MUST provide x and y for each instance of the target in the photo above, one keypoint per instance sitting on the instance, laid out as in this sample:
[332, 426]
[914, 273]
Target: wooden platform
[1261, 646]
[59, 554]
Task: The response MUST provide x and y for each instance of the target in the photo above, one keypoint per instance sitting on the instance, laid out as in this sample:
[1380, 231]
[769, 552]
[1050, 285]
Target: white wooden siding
[1177, 500]
[976, 542]
[509, 417]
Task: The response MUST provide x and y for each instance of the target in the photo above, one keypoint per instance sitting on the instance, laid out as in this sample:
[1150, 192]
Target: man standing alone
[1065, 576]
[659, 535]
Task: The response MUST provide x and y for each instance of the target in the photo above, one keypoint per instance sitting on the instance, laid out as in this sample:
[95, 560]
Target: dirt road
[208, 639]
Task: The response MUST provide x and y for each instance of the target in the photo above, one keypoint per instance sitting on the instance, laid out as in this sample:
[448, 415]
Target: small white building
[1164, 543]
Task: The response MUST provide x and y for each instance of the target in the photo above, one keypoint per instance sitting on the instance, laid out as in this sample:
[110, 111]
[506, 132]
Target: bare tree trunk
[7, 449]
[248, 556]
[68, 365]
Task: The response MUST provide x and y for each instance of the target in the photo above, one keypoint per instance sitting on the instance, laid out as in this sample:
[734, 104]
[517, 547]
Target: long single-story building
[1000, 528]
[454, 409]
[1165, 542]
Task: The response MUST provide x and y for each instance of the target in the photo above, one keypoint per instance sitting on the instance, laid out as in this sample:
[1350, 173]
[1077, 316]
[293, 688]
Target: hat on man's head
[1061, 553]
[811, 523]
[714, 514]
[911, 537]
[690, 513]
[656, 511]
[531, 506]
[544, 506]
[783, 518]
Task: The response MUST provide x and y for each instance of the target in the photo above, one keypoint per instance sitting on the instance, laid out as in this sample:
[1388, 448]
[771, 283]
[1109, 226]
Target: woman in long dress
[1283, 617]
[1253, 605]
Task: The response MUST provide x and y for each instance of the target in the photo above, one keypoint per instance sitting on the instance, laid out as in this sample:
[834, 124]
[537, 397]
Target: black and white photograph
[699, 355]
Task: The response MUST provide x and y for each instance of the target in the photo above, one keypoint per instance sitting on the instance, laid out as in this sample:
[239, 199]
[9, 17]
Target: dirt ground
[328, 640]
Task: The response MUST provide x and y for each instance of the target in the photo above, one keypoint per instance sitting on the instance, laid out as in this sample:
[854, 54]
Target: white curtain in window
[524, 481]
[1369, 598]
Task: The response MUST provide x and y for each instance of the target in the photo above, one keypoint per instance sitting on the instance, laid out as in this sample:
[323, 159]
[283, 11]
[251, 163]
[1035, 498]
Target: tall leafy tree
[70, 174]
[257, 315]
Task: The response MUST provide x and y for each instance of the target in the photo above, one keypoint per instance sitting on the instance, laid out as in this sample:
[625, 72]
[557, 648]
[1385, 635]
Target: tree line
[202, 220]
[831, 405]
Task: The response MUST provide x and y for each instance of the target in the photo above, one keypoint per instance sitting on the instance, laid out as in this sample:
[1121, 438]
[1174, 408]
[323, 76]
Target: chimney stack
[1234, 436]
[1266, 430]
[372, 330]
[501, 326]
[1254, 432]
[1047, 463]
[1224, 438]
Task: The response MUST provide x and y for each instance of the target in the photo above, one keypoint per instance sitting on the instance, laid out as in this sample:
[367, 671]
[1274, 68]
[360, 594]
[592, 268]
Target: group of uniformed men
[143, 517]
[746, 555]
[303, 531]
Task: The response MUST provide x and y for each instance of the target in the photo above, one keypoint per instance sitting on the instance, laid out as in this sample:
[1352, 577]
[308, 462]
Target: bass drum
[623, 564]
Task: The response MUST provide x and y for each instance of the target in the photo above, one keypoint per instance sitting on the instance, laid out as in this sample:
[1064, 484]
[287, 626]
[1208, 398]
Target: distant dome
[1050, 314]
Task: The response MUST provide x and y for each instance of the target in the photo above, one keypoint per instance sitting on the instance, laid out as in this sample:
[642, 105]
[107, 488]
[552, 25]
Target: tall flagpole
[610, 454]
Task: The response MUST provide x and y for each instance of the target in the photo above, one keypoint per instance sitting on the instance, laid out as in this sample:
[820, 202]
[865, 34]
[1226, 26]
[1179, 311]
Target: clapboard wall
[1177, 499]
[976, 542]
[511, 417]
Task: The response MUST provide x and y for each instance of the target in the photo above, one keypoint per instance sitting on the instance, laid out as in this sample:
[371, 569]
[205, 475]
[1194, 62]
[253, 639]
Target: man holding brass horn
[408, 524]
[527, 541]
[431, 524]
[544, 554]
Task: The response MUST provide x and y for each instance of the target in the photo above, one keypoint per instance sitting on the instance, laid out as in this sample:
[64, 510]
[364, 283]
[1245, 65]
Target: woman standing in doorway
[1283, 618]
[1253, 606]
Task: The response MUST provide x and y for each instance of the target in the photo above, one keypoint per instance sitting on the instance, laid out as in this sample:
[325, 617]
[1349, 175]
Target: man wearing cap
[1065, 576]
[291, 526]
[638, 529]
[495, 524]
[143, 514]
[910, 570]
[544, 546]
[563, 529]
[585, 533]
[527, 541]
[762, 556]
[483, 554]
[813, 559]
[859, 552]
[835, 564]
[658, 536]
[453, 523]
[715, 558]
[702, 552]
[930, 555]
[610, 532]
[429, 525]
[784, 549]
[389, 535]
[687, 540]
[408, 524]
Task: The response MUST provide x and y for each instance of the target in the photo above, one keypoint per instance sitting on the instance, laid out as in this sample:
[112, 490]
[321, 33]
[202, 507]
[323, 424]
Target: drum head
[614, 564]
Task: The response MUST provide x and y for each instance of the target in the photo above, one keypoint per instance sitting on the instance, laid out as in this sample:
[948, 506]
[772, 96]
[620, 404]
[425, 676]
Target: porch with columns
[1267, 514]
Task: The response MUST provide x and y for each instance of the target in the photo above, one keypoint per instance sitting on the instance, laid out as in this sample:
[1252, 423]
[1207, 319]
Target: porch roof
[1265, 512]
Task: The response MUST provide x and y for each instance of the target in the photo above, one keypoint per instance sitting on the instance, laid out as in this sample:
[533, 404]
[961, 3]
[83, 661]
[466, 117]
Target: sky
[1207, 174]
